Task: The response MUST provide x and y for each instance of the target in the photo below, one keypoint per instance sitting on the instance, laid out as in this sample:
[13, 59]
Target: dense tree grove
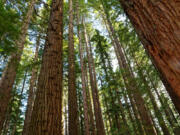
[89, 67]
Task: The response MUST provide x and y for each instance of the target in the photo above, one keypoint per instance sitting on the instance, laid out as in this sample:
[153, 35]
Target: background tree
[72, 95]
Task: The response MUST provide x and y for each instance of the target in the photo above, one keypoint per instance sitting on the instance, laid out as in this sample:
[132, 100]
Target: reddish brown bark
[47, 111]
[72, 95]
[157, 24]
[9, 74]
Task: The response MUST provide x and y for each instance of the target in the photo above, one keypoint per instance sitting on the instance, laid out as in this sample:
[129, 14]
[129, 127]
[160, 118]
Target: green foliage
[9, 28]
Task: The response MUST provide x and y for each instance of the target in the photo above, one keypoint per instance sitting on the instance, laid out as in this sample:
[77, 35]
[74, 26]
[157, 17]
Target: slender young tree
[72, 95]
[46, 117]
[161, 40]
[9, 74]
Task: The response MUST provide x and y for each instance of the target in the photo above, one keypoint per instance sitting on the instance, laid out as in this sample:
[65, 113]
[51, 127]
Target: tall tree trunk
[46, 117]
[97, 108]
[161, 40]
[72, 95]
[9, 74]
[31, 91]
[81, 51]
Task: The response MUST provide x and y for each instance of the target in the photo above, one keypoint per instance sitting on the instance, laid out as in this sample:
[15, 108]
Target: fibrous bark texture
[157, 24]
[72, 95]
[46, 117]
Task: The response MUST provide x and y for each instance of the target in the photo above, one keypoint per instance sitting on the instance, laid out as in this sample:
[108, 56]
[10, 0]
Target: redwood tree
[72, 95]
[47, 110]
[157, 24]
